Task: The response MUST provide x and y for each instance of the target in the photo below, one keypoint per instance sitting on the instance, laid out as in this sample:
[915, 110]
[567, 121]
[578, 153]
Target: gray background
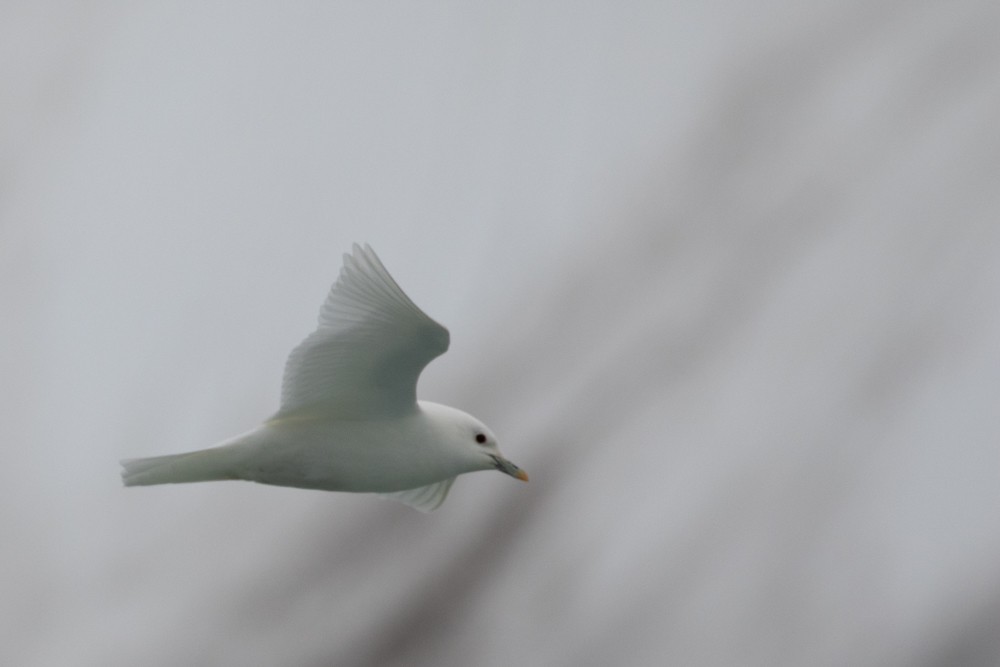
[722, 276]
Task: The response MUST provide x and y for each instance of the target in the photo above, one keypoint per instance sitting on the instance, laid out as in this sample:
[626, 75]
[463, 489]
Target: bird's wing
[371, 345]
[424, 498]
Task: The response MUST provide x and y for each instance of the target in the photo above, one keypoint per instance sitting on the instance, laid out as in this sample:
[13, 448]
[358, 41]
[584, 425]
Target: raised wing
[371, 345]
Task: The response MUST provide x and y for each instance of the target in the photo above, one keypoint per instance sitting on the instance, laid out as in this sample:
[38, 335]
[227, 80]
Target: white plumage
[349, 419]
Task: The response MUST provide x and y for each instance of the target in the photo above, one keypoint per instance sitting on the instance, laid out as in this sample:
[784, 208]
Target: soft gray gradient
[724, 278]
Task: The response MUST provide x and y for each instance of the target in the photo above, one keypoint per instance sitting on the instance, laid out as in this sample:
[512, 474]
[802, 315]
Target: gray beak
[508, 468]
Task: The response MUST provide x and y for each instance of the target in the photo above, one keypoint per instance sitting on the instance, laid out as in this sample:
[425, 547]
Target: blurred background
[723, 277]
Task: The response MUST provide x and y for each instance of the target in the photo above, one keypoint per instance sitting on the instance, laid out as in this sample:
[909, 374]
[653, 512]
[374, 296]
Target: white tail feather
[202, 466]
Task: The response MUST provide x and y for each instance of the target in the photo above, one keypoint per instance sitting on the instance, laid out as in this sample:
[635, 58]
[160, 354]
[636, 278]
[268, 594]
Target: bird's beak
[508, 468]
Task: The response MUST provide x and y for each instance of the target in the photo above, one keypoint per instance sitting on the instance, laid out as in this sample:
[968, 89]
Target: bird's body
[349, 420]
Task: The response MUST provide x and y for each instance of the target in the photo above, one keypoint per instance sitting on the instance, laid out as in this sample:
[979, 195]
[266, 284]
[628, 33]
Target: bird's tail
[204, 465]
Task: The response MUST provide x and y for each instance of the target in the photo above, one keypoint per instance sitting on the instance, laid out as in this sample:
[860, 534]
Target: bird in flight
[349, 418]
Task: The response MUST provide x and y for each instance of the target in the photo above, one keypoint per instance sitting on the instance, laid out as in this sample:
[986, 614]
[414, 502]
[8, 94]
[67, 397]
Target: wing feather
[372, 343]
[424, 498]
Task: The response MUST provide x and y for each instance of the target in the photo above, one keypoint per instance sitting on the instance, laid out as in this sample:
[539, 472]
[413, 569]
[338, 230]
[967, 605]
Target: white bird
[349, 417]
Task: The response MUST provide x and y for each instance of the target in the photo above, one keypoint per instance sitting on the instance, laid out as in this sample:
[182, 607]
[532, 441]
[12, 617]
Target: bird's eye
[480, 438]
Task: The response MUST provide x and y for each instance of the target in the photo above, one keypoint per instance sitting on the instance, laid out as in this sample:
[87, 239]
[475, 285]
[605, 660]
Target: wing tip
[362, 260]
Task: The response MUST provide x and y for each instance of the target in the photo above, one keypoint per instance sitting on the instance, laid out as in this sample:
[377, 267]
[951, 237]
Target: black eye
[480, 438]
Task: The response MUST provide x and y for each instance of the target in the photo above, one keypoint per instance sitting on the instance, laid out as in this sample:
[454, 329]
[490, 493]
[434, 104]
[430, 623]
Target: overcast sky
[723, 278]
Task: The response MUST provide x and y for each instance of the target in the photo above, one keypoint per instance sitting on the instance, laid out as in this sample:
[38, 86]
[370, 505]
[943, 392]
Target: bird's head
[475, 440]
